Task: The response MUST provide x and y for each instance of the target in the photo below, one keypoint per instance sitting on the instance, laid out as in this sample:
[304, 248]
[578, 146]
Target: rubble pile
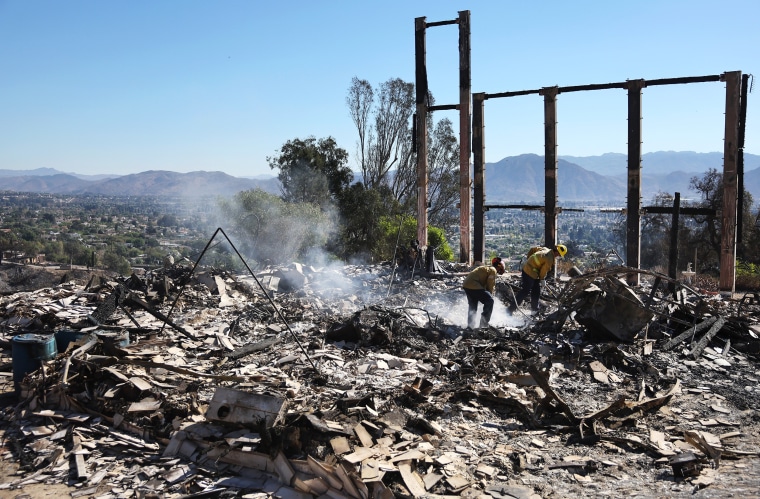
[359, 382]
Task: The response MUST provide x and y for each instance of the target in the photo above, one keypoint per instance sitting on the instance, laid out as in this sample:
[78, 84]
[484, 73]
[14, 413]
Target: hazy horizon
[273, 173]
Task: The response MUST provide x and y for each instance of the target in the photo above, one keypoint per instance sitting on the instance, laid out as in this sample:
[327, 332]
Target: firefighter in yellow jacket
[540, 261]
[479, 286]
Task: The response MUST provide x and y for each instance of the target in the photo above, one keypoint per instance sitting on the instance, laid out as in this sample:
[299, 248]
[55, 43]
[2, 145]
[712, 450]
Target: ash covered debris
[360, 382]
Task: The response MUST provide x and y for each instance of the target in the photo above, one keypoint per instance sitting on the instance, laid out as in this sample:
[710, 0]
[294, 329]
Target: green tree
[113, 261]
[312, 171]
[7, 238]
[437, 240]
[361, 210]
[154, 255]
[54, 251]
[167, 221]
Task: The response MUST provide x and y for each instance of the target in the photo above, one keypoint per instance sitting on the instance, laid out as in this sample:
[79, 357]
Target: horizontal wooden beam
[620, 84]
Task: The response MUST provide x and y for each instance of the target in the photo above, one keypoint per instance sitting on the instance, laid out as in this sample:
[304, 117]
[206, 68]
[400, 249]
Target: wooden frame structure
[736, 93]
[423, 108]
[734, 123]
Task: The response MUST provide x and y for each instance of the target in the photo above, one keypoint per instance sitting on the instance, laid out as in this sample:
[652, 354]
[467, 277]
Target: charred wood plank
[253, 347]
[696, 351]
[688, 332]
[512, 403]
[610, 409]
[544, 384]
[80, 468]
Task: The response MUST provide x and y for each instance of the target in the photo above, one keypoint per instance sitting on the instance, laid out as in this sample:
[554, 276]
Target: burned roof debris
[360, 382]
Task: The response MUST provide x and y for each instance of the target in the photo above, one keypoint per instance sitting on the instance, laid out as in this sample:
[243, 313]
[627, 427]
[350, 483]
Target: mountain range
[518, 179]
[514, 179]
[151, 183]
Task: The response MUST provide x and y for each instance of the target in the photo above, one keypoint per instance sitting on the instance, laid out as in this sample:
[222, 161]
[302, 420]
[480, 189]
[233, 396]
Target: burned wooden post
[740, 163]
[673, 254]
[478, 170]
[688, 332]
[676, 211]
[465, 90]
[699, 346]
[633, 203]
[550, 167]
[727, 283]
[421, 126]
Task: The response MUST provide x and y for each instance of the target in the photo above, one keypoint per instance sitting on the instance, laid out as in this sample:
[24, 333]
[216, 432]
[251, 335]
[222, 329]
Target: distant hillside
[165, 183]
[29, 173]
[61, 183]
[40, 172]
[153, 183]
[661, 161]
[517, 179]
[521, 179]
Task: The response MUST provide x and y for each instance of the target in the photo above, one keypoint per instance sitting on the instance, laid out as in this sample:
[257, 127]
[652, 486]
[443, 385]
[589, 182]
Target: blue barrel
[28, 352]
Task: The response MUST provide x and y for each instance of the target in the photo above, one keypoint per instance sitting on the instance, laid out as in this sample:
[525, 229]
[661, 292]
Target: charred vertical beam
[465, 89]
[633, 218]
[479, 179]
[740, 165]
[421, 86]
[550, 165]
[727, 281]
[673, 258]
[653, 292]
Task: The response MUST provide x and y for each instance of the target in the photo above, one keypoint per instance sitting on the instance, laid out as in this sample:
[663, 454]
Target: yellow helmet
[561, 249]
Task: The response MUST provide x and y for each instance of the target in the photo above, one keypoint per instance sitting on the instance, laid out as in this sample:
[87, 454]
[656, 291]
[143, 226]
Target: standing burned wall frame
[423, 107]
[734, 129]
[474, 137]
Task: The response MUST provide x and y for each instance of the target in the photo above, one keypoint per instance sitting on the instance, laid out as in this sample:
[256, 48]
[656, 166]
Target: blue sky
[118, 87]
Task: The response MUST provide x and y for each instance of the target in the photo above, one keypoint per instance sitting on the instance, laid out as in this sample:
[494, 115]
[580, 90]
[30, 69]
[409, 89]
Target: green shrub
[747, 276]
[408, 233]
[437, 239]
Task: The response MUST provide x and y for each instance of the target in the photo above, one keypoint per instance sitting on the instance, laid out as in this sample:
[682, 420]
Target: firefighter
[540, 261]
[479, 287]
